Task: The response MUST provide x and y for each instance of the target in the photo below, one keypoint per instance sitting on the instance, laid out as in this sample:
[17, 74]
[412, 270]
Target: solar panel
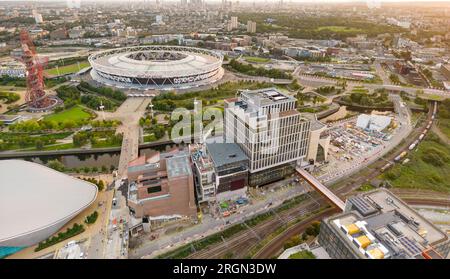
[410, 245]
[362, 205]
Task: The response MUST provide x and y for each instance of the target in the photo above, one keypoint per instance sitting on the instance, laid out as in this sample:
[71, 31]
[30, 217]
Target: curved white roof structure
[36, 201]
[156, 67]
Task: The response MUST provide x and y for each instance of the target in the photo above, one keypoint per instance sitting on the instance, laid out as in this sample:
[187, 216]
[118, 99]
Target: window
[154, 189]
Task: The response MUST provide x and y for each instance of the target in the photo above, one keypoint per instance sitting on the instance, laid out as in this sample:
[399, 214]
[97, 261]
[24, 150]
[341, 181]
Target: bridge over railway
[316, 184]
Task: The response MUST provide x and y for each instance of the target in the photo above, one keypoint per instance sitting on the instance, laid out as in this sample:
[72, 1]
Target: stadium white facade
[156, 67]
[36, 201]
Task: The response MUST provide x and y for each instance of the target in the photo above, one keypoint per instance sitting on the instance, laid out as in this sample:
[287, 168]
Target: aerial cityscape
[224, 129]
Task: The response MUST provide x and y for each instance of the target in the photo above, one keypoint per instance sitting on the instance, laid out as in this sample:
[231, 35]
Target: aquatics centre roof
[34, 197]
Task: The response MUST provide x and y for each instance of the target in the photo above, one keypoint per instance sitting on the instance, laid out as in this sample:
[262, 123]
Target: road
[153, 248]
[344, 188]
[314, 81]
[211, 225]
[401, 133]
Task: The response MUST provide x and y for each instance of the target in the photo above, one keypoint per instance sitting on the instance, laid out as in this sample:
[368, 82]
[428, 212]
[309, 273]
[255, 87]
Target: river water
[98, 160]
[109, 159]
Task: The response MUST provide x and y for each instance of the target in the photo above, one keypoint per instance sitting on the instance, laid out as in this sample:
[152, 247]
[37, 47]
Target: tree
[39, 144]
[394, 78]
[56, 165]
[100, 185]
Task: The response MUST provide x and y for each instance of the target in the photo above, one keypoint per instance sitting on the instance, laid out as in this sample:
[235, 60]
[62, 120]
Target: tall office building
[378, 225]
[234, 22]
[251, 26]
[73, 4]
[37, 17]
[272, 133]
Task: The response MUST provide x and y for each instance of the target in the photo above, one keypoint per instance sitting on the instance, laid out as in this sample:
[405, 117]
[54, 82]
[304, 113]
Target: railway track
[270, 250]
[250, 237]
[240, 244]
[277, 244]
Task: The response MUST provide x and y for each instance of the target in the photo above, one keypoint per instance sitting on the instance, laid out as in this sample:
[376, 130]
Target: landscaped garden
[75, 113]
[9, 97]
[255, 59]
[359, 97]
[90, 219]
[90, 96]
[70, 232]
[251, 70]
[169, 101]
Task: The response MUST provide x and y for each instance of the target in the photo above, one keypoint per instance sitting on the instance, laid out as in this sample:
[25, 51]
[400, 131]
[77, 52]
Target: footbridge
[316, 184]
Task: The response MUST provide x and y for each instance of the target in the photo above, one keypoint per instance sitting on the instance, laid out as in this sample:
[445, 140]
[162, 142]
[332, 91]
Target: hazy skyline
[304, 1]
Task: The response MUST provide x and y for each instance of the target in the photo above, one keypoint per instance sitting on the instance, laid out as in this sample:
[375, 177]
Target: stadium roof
[34, 197]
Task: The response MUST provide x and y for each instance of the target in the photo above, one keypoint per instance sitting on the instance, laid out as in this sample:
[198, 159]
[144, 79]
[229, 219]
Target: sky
[310, 1]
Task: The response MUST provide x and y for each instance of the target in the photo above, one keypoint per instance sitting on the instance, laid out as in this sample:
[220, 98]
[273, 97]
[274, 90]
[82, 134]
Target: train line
[253, 235]
[277, 244]
[241, 243]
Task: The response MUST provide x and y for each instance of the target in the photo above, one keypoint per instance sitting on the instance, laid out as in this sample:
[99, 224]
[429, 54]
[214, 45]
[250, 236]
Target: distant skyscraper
[73, 4]
[234, 22]
[38, 18]
[159, 19]
[373, 4]
[224, 4]
[251, 26]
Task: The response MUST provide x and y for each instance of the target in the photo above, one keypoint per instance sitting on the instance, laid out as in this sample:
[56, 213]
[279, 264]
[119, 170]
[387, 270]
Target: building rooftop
[177, 164]
[315, 124]
[225, 153]
[34, 197]
[379, 225]
[264, 97]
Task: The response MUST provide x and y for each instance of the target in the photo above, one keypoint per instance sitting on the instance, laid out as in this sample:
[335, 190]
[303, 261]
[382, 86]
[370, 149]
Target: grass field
[339, 29]
[68, 69]
[429, 167]
[255, 59]
[75, 113]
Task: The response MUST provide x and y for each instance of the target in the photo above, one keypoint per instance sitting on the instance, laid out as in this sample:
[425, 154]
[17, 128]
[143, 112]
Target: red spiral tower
[35, 96]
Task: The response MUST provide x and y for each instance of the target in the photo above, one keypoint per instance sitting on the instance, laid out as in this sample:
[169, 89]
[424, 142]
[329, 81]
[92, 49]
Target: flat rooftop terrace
[225, 153]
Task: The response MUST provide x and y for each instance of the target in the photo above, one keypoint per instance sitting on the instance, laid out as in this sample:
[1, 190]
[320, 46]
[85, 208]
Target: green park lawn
[68, 69]
[339, 29]
[428, 169]
[255, 59]
[75, 113]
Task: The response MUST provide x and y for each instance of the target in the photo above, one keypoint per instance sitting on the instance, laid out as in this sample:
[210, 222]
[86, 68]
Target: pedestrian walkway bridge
[315, 183]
